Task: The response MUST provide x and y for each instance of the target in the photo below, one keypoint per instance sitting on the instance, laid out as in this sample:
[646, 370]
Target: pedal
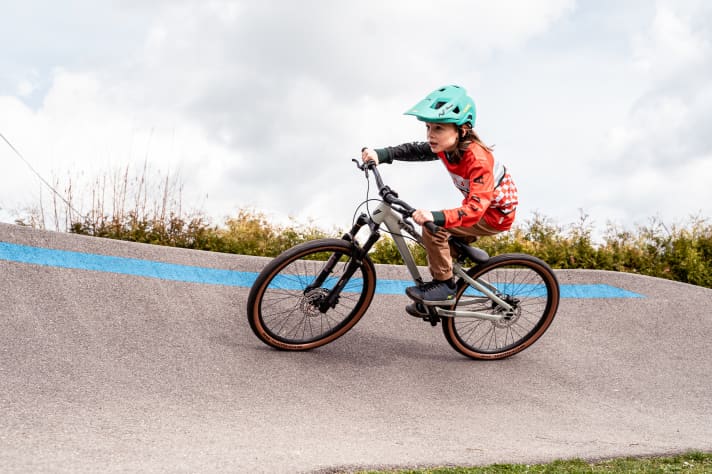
[423, 312]
[417, 310]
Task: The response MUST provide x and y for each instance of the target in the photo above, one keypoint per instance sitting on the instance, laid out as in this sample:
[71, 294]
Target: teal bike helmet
[449, 104]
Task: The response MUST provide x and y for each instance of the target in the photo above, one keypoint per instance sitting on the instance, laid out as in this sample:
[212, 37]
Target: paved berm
[104, 372]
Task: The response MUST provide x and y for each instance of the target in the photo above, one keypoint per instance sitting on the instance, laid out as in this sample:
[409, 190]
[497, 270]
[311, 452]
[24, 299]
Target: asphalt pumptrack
[124, 357]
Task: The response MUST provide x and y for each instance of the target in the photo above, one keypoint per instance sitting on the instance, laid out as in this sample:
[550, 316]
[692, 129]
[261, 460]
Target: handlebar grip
[432, 227]
[370, 164]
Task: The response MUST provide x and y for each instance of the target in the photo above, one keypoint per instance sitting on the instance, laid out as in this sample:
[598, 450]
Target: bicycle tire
[526, 281]
[284, 313]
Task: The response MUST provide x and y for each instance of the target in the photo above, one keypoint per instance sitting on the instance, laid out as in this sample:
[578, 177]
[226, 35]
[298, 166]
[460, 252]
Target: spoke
[292, 314]
[520, 285]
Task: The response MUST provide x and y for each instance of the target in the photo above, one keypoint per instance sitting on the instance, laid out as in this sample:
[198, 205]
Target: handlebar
[390, 196]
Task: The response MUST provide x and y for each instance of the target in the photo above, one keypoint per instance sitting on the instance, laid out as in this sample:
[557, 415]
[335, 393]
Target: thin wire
[368, 212]
[19, 155]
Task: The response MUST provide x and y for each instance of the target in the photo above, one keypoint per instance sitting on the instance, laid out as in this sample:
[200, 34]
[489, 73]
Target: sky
[600, 108]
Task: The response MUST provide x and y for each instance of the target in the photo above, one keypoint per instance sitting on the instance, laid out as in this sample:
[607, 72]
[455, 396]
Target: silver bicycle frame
[383, 214]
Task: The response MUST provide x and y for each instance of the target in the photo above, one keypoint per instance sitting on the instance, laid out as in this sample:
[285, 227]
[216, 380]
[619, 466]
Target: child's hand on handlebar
[421, 216]
[368, 154]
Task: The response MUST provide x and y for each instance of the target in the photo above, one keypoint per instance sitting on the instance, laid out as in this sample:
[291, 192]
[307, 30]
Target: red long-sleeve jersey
[488, 189]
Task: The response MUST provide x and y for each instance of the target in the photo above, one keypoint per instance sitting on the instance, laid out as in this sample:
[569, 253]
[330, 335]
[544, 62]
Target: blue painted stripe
[123, 265]
[212, 276]
[397, 287]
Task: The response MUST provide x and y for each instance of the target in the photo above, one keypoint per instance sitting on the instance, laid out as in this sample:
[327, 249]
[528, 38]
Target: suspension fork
[358, 253]
[334, 259]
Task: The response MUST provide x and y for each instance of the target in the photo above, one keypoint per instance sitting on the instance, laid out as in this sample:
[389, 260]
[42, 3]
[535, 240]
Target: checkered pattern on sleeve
[505, 197]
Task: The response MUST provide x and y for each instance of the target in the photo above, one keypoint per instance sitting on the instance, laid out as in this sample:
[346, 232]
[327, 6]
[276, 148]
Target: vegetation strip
[213, 276]
[693, 462]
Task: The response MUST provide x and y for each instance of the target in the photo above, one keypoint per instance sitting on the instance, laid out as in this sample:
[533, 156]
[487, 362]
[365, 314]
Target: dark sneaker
[434, 293]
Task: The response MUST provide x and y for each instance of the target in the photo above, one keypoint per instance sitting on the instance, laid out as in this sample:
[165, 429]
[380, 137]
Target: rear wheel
[287, 306]
[524, 282]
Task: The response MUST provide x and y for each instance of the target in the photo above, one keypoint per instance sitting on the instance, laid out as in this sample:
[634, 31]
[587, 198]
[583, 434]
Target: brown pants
[438, 249]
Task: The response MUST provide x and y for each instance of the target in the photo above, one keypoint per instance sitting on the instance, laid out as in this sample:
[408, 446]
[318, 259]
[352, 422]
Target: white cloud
[258, 104]
[263, 104]
[675, 40]
[656, 162]
[25, 88]
[83, 132]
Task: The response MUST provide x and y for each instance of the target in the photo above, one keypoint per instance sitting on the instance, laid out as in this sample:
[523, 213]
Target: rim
[523, 287]
[290, 313]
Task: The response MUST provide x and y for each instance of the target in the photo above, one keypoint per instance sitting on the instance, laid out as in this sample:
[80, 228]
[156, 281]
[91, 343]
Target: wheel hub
[311, 301]
[509, 317]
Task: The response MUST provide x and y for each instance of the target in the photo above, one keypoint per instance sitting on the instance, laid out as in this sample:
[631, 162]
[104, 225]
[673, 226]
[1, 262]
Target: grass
[693, 462]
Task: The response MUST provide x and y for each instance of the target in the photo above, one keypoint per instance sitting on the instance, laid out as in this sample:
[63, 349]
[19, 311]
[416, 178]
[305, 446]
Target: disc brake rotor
[309, 304]
[510, 318]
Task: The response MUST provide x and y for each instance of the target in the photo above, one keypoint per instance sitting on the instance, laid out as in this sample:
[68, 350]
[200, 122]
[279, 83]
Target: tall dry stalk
[118, 199]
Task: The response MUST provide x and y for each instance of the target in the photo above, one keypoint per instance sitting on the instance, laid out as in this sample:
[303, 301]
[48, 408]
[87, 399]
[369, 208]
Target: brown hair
[466, 136]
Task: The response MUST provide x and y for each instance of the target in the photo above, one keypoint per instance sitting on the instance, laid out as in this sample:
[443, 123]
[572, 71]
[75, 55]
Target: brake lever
[362, 166]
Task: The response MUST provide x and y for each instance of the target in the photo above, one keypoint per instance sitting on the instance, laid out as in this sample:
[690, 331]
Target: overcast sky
[602, 106]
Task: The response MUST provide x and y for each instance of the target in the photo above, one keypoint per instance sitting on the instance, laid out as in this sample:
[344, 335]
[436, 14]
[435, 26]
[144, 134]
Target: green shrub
[251, 233]
[133, 208]
[682, 254]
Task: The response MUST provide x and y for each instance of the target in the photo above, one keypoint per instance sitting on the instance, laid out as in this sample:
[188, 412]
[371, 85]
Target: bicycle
[315, 292]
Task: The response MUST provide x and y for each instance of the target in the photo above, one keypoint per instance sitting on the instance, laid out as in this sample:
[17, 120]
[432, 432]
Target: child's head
[449, 116]
[442, 137]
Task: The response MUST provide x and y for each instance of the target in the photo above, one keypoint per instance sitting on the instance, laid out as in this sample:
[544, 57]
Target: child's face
[441, 136]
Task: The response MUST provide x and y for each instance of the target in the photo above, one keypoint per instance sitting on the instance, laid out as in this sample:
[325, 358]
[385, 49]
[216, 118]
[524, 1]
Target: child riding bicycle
[490, 195]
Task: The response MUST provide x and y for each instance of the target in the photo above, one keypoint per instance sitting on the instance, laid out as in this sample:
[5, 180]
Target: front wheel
[289, 307]
[525, 283]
